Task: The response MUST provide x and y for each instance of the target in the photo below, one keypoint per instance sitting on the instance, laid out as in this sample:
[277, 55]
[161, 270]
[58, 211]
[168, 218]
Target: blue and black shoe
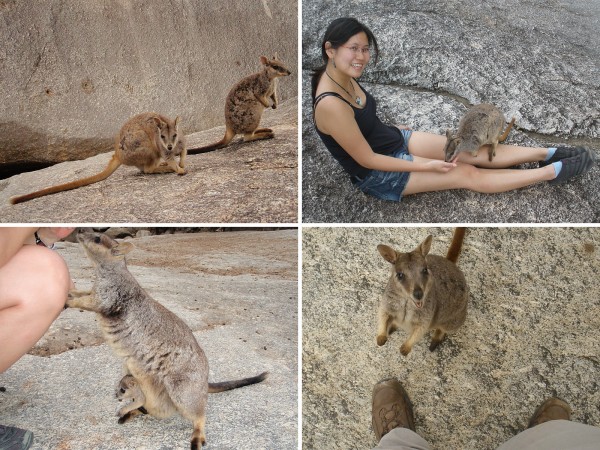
[12, 438]
[562, 153]
[574, 166]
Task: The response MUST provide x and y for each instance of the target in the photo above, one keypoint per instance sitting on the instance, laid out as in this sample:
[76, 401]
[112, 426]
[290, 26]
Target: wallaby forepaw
[433, 345]
[405, 349]
[381, 340]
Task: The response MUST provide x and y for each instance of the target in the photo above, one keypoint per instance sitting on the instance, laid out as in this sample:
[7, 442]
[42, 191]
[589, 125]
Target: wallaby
[145, 141]
[425, 292]
[481, 125]
[129, 388]
[158, 348]
[245, 104]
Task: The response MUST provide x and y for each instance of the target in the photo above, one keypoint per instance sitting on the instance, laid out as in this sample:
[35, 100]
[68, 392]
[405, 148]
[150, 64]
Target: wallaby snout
[418, 293]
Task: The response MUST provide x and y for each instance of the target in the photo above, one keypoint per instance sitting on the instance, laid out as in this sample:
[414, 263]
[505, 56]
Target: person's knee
[46, 279]
[471, 176]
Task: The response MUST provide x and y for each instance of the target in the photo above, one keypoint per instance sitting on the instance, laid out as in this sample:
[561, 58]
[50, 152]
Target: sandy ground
[530, 333]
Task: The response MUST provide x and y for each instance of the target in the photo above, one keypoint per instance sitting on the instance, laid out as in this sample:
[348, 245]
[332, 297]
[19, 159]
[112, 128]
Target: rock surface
[530, 333]
[536, 61]
[237, 291]
[73, 73]
[255, 182]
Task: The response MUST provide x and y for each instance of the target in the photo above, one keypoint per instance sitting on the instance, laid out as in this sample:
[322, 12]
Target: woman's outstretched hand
[439, 166]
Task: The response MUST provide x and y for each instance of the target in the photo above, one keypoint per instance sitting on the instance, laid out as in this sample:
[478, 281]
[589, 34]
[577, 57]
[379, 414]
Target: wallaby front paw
[381, 339]
[405, 349]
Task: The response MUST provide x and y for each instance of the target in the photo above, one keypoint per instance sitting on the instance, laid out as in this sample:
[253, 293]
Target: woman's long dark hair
[338, 33]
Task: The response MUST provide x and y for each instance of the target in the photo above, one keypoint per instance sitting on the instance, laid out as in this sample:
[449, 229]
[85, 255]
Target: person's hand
[50, 235]
[436, 165]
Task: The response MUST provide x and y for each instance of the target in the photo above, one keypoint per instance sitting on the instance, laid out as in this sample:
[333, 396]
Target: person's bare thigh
[426, 145]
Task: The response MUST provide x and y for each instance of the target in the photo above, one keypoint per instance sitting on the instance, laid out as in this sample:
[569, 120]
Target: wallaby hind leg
[258, 135]
[263, 130]
[436, 339]
[198, 436]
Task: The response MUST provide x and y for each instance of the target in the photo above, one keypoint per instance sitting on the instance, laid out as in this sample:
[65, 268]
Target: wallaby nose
[170, 147]
[418, 293]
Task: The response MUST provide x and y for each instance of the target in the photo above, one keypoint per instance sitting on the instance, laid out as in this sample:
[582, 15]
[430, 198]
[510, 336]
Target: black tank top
[383, 139]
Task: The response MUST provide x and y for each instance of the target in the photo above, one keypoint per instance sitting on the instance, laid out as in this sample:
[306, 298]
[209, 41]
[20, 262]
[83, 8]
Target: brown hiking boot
[391, 408]
[552, 409]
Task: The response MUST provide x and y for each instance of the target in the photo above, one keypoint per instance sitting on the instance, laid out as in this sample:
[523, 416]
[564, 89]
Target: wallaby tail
[229, 134]
[456, 245]
[228, 385]
[112, 166]
[505, 134]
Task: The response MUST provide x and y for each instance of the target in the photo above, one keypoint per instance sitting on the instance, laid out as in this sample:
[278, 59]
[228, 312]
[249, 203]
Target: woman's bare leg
[429, 145]
[476, 179]
[35, 283]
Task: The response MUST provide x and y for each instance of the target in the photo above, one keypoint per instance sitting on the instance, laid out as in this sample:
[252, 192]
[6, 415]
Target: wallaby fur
[481, 125]
[160, 353]
[147, 141]
[425, 292]
[246, 102]
[129, 388]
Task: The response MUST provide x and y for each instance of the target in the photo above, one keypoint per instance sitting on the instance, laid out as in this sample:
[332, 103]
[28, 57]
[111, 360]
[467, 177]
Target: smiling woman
[391, 161]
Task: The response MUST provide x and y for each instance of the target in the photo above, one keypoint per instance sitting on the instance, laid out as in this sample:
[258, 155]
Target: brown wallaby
[246, 102]
[481, 125]
[425, 292]
[129, 388]
[167, 366]
[145, 141]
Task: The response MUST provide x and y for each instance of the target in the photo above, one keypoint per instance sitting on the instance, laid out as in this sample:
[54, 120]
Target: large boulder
[536, 61]
[73, 73]
[254, 182]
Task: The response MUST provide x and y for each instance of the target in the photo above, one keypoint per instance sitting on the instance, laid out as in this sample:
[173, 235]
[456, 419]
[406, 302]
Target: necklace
[357, 99]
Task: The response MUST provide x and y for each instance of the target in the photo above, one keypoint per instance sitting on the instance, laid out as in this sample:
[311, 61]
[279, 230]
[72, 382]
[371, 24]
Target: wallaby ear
[448, 134]
[121, 249]
[176, 122]
[425, 246]
[275, 56]
[159, 123]
[388, 253]
[263, 60]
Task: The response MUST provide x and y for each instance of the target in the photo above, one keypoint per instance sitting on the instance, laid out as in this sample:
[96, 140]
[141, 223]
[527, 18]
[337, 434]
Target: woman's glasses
[356, 50]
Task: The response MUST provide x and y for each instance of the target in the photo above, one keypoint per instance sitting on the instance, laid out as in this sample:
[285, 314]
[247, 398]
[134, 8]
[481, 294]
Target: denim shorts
[387, 185]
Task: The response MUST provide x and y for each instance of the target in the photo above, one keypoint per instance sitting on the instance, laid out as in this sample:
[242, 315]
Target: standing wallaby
[481, 125]
[160, 353]
[145, 141]
[246, 102]
[425, 292]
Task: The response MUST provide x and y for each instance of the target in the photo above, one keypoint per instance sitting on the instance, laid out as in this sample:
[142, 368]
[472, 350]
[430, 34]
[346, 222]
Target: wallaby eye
[122, 390]
[425, 271]
[162, 136]
[97, 239]
[175, 136]
[400, 275]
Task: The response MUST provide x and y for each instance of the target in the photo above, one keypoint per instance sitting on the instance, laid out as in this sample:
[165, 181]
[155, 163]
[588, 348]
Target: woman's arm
[336, 118]
[11, 241]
